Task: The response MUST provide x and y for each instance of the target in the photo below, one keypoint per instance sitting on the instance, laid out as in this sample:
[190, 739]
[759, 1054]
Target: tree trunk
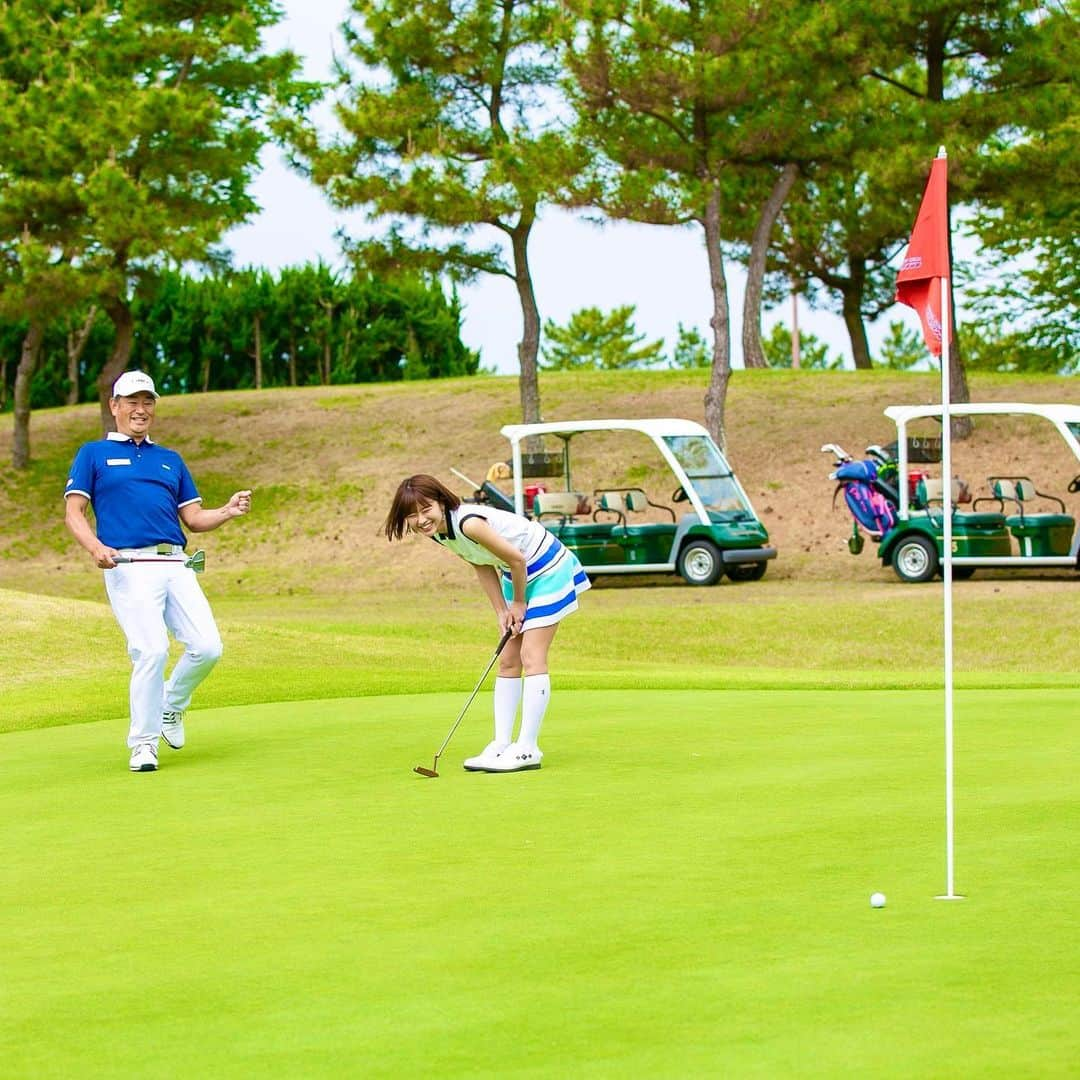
[205, 379]
[292, 359]
[720, 322]
[257, 327]
[851, 291]
[28, 359]
[937, 37]
[119, 312]
[76, 345]
[960, 426]
[753, 353]
[324, 373]
[529, 346]
[796, 344]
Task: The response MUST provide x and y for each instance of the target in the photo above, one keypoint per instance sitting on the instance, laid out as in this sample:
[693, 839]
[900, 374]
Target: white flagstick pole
[947, 567]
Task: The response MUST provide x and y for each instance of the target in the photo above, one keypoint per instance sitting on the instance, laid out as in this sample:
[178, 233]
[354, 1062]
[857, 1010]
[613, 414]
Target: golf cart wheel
[700, 563]
[747, 571]
[915, 559]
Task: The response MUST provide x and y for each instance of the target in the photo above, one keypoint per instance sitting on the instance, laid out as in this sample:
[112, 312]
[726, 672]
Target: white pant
[149, 600]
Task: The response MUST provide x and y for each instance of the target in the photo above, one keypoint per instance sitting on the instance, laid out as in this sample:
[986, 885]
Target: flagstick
[947, 564]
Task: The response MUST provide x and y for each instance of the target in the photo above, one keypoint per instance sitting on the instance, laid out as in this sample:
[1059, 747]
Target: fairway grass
[682, 890]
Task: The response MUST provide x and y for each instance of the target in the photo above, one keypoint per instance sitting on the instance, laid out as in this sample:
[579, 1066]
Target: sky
[661, 270]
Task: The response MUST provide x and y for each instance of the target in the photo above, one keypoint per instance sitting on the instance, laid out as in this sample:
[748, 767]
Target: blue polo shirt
[135, 490]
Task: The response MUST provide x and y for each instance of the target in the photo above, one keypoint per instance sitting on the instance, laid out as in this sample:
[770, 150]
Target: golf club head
[197, 562]
[425, 772]
[837, 451]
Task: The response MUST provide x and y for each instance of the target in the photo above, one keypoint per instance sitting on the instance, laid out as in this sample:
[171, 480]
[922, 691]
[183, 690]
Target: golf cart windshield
[710, 475]
[1074, 427]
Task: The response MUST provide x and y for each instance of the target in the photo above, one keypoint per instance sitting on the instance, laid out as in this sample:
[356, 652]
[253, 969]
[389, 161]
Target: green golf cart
[703, 529]
[1009, 524]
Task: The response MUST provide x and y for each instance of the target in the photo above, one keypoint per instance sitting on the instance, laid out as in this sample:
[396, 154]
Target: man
[141, 494]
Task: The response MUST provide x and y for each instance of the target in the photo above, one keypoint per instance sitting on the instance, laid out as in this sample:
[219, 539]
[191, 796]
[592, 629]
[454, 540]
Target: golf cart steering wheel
[679, 494]
[1074, 485]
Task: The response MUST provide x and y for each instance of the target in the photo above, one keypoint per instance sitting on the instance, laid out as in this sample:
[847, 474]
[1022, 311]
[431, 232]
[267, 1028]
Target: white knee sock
[534, 703]
[507, 696]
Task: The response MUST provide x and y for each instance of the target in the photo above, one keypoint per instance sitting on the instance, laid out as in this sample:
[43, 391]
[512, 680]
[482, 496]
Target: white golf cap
[134, 382]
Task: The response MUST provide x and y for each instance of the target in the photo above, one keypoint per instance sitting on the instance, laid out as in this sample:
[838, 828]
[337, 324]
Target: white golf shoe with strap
[483, 761]
[517, 757]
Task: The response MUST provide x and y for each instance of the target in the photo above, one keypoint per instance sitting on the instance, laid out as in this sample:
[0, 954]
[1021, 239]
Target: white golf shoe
[144, 757]
[172, 727]
[517, 757]
[483, 760]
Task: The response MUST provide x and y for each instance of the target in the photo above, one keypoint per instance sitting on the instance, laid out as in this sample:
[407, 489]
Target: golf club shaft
[196, 561]
[163, 558]
[476, 690]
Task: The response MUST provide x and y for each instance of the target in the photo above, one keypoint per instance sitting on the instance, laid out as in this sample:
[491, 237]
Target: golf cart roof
[653, 427]
[1059, 414]
[1065, 418]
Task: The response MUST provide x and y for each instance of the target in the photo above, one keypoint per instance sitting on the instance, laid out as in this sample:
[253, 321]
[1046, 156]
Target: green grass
[682, 890]
[72, 667]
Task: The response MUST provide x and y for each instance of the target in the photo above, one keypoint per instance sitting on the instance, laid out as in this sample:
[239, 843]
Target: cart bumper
[748, 555]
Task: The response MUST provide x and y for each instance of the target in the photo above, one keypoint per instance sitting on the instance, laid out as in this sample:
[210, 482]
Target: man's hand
[239, 504]
[104, 557]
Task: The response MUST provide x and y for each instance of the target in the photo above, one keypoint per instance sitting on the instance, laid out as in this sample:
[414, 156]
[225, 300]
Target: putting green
[682, 890]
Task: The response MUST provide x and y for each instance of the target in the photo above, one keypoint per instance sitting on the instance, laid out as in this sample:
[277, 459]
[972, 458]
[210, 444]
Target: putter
[196, 562]
[434, 770]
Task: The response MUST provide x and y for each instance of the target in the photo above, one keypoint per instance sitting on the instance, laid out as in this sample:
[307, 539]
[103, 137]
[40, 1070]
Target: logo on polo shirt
[166, 467]
[118, 461]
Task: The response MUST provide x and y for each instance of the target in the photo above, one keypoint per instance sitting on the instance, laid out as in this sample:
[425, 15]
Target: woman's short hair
[412, 493]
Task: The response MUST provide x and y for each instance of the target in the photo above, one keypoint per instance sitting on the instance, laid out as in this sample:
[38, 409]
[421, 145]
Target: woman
[532, 581]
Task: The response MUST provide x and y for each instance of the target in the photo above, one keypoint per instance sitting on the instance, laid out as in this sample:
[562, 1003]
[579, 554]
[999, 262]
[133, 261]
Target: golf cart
[620, 528]
[900, 505]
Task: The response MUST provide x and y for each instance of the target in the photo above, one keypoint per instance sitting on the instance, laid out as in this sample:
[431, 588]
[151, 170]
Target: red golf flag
[927, 259]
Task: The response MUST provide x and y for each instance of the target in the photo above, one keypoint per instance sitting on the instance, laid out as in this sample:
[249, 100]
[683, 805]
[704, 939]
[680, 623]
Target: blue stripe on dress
[553, 594]
[546, 560]
[539, 611]
[544, 557]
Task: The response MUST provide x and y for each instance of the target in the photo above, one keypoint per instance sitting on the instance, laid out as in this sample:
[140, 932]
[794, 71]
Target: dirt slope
[323, 462]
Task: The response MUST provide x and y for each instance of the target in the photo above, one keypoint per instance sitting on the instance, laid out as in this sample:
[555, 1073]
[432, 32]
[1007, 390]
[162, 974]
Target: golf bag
[872, 500]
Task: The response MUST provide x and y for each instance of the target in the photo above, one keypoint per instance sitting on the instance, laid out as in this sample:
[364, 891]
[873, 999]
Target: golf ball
[877, 899]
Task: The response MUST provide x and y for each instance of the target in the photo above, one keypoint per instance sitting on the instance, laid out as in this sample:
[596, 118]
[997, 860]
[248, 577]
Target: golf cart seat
[637, 500]
[561, 504]
[609, 502]
[1037, 534]
[929, 493]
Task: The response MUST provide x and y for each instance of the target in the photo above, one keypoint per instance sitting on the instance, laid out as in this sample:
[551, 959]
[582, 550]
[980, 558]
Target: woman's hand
[512, 618]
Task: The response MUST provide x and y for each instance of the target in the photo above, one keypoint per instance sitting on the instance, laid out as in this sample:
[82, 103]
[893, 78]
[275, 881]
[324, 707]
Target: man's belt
[156, 549]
